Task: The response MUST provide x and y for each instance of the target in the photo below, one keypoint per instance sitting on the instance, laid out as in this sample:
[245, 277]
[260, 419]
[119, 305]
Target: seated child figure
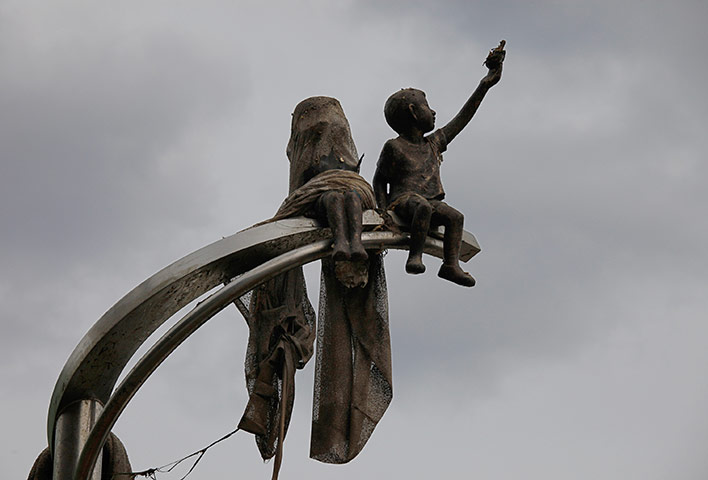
[407, 178]
[324, 175]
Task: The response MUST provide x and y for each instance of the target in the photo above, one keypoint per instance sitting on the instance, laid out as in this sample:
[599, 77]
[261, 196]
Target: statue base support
[72, 430]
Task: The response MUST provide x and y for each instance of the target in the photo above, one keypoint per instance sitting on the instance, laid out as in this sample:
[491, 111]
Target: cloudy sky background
[133, 133]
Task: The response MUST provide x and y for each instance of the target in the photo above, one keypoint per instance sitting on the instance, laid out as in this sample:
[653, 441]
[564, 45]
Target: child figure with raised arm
[407, 178]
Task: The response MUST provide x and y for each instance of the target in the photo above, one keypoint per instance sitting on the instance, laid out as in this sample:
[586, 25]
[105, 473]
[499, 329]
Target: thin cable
[150, 472]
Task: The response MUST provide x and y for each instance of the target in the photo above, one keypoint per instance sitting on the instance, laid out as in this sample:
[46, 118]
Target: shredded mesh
[242, 303]
[353, 384]
[281, 333]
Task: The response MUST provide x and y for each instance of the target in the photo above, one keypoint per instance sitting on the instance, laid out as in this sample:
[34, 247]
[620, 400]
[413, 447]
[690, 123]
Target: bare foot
[455, 274]
[415, 265]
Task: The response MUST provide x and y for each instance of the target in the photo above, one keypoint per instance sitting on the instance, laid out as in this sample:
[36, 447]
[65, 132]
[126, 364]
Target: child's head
[408, 108]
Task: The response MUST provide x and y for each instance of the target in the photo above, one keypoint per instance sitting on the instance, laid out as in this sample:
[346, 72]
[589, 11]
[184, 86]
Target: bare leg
[333, 205]
[418, 211]
[453, 221]
[352, 204]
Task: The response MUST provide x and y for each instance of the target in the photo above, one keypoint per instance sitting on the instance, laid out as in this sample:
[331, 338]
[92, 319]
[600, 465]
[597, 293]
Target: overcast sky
[133, 133]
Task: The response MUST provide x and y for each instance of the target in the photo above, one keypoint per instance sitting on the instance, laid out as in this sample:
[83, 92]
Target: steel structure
[86, 403]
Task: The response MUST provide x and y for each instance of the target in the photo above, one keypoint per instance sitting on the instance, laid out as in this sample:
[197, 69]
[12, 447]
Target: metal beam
[254, 254]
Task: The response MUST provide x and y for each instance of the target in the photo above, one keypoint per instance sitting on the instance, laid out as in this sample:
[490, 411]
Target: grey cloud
[82, 142]
[136, 137]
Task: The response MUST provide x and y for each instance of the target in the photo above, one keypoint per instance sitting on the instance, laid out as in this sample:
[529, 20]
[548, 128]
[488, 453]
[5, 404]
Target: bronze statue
[353, 384]
[353, 378]
[324, 175]
[353, 357]
[407, 178]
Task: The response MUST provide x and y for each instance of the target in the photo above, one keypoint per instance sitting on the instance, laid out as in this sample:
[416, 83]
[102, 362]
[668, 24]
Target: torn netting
[281, 335]
[353, 384]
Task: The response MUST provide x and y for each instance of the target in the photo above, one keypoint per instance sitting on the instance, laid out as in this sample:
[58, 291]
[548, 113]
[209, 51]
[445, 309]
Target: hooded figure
[353, 384]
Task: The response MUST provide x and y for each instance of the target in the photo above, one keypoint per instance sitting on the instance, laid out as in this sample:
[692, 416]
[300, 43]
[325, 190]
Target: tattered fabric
[353, 383]
[281, 334]
[353, 363]
[302, 201]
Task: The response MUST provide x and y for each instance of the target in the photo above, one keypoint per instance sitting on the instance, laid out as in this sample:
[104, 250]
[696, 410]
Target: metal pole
[72, 430]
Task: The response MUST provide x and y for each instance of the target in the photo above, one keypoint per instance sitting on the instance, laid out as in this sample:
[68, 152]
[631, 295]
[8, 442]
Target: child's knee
[457, 217]
[450, 216]
[422, 208]
[331, 198]
[352, 197]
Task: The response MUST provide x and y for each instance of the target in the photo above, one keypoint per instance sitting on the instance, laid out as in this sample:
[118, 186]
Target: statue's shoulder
[393, 146]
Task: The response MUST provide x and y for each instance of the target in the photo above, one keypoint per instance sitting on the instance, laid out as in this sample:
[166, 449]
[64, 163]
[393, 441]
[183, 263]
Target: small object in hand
[496, 56]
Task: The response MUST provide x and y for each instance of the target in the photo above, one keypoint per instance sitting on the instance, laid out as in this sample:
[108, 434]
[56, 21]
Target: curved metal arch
[254, 255]
[188, 325]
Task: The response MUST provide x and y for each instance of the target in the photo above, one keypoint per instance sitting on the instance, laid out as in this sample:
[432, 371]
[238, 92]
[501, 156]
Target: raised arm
[494, 62]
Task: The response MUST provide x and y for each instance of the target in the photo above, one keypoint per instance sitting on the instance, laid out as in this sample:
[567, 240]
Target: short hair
[396, 111]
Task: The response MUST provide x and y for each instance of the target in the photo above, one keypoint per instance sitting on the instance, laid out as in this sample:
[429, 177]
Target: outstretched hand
[494, 62]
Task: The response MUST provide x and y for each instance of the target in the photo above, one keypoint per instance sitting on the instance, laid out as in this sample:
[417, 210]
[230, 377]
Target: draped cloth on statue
[281, 326]
[319, 134]
[353, 384]
[302, 201]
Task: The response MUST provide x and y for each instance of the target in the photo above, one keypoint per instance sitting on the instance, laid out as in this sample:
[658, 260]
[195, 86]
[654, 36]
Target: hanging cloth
[353, 384]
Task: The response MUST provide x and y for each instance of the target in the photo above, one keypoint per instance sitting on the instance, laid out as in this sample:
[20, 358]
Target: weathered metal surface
[93, 368]
[72, 431]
